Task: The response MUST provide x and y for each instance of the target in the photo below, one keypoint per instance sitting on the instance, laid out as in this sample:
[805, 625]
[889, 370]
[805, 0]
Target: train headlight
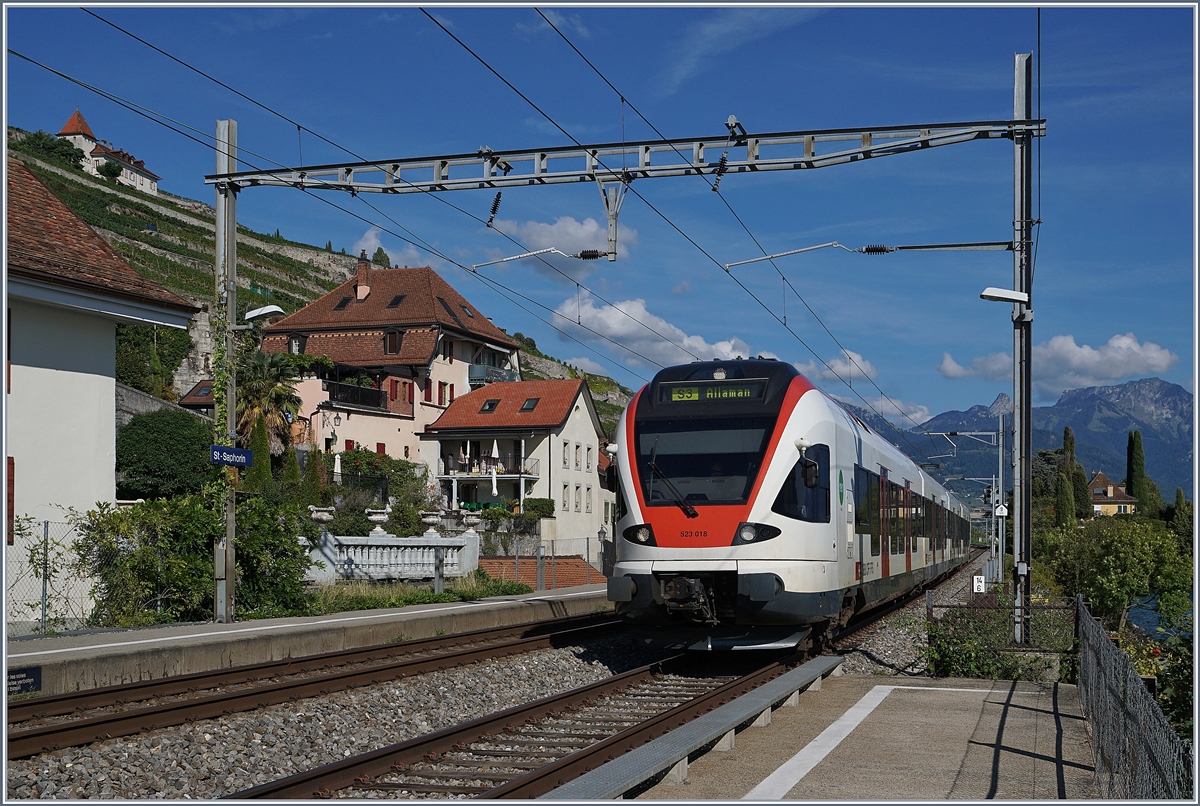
[753, 533]
[640, 533]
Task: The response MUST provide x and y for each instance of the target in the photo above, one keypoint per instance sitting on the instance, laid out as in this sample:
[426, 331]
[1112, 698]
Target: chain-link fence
[48, 589]
[1138, 755]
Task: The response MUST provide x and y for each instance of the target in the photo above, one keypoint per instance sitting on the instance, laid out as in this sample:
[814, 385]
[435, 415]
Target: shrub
[162, 453]
[538, 507]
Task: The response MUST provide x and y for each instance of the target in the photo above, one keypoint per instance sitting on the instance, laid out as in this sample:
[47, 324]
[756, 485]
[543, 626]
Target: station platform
[874, 738]
[58, 664]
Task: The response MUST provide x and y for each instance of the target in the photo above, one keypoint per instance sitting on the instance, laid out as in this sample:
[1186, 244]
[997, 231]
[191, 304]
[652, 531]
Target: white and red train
[750, 504]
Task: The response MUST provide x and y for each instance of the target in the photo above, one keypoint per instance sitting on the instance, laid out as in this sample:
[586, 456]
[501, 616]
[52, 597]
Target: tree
[314, 479]
[1118, 564]
[110, 170]
[1083, 496]
[258, 478]
[1182, 520]
[1064, 502]
[380, 258]
[1135, 469]
[329, 246]
[47, 145]
[292, 480]
[147, 357]
[163, 453]
[266, 386]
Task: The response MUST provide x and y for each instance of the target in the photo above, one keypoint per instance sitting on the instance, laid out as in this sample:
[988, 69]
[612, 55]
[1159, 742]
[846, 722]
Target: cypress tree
[258, 477]
[1135, 473]
[310, 487]
[1064, 502]
[1083, 496]
[291, 474]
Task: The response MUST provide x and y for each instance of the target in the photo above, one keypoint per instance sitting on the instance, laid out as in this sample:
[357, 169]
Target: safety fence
[1137, 754]
[49, 584]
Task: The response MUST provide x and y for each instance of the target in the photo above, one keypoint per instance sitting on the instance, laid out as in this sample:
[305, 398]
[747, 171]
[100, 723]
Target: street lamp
[224, 566]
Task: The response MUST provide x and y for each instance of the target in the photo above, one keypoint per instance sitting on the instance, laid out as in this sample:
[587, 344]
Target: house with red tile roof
[1109, 498]
[67, 289]
[134, 172]
[532, 439]
[404, 345]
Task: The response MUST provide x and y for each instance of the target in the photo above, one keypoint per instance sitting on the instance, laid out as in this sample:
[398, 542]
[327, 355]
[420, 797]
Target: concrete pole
[1022, 345]
[1000, 521]
[226, 281]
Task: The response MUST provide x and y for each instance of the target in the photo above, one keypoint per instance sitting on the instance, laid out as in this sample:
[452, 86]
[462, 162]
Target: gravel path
[216, 757]
[897, 645]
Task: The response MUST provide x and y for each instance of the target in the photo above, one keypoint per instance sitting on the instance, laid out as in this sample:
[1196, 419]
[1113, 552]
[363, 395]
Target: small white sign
[980, 585]
[1002, 511]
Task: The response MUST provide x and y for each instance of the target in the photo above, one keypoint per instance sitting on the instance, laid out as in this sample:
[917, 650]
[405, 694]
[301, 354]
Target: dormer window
[489, 406]
[530, 404]
[391, 342]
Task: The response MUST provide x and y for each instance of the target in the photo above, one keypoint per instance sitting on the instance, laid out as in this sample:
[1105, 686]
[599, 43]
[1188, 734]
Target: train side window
[862, 509]
[799, 501]
[895, 519]
[873, 486]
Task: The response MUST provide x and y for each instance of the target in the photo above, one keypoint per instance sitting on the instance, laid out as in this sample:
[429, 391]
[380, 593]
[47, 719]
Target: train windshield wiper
[679, 501]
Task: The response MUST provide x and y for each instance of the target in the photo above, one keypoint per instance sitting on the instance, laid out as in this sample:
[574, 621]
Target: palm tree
[266, 386]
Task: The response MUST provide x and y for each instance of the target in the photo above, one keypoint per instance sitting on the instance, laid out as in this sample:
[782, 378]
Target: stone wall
[132, 401]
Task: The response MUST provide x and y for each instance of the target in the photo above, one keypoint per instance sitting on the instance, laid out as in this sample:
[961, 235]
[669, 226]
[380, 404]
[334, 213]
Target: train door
[885, 500]
[909, 537]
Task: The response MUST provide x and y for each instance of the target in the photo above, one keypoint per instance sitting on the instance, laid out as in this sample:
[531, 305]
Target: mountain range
[1101, 418]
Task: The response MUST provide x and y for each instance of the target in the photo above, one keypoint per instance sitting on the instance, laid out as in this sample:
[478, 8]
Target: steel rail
[319, 782]
[29, 742]
[74, 701]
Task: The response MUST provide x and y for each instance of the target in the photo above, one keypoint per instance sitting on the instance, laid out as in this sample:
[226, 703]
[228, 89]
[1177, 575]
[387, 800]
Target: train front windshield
[701, 461]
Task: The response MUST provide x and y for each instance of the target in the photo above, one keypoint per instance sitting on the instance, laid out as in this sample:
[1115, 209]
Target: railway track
[82, 717]
[529, 750]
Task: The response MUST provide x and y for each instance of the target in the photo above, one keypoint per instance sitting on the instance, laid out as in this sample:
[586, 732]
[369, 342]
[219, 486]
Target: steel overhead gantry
[612, 166]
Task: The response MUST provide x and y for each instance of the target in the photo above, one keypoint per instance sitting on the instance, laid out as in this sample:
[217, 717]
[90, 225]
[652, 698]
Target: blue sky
[1113, 291]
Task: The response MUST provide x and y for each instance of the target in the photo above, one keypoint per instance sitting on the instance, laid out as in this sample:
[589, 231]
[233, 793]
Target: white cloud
[1061, 364]
[849, 366]
[406, 255]
[567, 235]
[629, 323]
[567, 24]
[704, 42]
[587, 365]
[682, 288]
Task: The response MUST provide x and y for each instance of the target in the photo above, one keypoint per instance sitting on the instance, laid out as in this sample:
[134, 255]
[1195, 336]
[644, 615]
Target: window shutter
[428, 390]
[441, 393]
[395, 387]
[451, 393]
[408, 391]
[380, 447]
[349, 444]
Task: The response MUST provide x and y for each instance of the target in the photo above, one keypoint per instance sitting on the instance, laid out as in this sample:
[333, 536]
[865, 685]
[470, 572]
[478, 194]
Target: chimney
[362, 285]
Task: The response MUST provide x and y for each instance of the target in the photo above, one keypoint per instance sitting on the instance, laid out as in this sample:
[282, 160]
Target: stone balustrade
[387, 558]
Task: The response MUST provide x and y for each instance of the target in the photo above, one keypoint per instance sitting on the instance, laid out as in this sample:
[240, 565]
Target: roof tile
[49, 243]
[552, 409]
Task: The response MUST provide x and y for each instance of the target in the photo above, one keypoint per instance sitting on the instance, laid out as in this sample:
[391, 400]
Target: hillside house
[1109, 498]
[532, 439]
[134, 173]
[404, 344]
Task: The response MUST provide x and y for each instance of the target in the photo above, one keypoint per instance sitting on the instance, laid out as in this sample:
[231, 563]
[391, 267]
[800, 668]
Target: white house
[529, 439]
[67, 289]
[134, 173]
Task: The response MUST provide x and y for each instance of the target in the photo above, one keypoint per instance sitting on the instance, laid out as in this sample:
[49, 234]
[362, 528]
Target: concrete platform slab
[873, 738]
[81, 661]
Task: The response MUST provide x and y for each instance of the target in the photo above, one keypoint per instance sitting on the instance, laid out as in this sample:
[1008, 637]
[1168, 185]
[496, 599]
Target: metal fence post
[45, 569]
[553, 581]
[588, 561]
[439, 578]
[516, 558]
[541, 567]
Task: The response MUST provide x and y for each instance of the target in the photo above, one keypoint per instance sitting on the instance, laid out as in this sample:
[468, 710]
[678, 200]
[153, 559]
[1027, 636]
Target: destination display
[711, 391]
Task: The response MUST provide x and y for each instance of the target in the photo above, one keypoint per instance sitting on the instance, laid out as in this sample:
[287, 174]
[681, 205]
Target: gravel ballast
[212, 758]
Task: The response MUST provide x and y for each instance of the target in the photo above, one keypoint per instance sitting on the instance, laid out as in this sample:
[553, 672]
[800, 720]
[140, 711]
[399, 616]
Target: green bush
[538, 507]
[163, 453]
[972, 642]
[153, 562]
[148, 357]
[492, 517]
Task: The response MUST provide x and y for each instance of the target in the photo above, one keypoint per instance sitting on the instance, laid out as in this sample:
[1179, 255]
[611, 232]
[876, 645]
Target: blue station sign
[224, 455]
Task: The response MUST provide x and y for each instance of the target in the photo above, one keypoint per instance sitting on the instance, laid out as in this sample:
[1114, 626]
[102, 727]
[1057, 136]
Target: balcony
[480, 374]
[350, 395]
[508, 465]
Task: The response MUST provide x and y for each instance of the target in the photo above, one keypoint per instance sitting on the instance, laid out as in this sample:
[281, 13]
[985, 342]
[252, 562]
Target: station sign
[225, 455]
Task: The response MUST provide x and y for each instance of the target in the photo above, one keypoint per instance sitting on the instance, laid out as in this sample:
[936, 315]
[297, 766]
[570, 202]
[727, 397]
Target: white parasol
[337, 468]
[495, 449]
